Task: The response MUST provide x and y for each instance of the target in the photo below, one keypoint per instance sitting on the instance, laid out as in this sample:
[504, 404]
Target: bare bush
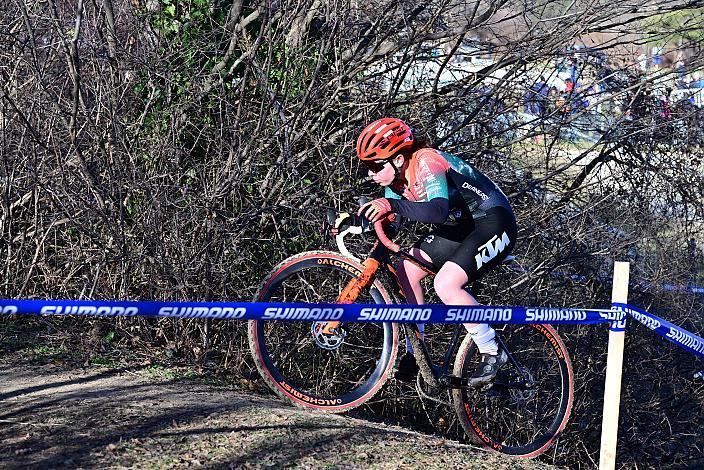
[178, 149]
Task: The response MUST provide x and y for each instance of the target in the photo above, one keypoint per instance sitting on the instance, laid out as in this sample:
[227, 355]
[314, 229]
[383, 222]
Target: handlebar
[383, 238]
[358, 229]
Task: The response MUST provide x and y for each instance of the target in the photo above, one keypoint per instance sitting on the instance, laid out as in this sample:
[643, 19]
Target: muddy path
[54, 415]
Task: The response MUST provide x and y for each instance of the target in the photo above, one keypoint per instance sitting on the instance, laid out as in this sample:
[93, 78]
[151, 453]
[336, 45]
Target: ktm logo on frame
[490, 249]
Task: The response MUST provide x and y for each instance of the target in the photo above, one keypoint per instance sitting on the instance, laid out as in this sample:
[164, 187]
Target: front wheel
[529, 402]
[329, 373]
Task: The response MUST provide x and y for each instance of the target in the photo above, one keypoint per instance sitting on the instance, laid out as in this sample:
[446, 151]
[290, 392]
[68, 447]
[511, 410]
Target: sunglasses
[375, 166]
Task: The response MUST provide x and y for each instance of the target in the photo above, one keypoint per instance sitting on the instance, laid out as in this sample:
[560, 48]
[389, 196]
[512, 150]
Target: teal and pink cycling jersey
[438, 186]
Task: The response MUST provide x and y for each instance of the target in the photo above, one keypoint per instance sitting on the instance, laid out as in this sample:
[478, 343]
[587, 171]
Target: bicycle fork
[352, 290]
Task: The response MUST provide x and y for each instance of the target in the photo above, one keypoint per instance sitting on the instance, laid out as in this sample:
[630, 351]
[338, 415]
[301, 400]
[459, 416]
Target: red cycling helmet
[383, 139]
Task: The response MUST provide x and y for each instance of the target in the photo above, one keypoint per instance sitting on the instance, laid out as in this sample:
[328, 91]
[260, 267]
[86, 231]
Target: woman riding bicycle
[475, 228]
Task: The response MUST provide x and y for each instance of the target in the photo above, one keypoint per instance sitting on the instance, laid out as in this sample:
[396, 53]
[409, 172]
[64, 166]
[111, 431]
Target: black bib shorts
[476, 244]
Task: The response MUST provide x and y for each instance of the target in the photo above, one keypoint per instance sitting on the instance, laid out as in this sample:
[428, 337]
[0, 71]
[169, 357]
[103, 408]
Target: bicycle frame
[379, 258]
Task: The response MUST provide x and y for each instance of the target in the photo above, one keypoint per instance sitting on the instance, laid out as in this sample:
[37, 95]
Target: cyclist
[474, 225]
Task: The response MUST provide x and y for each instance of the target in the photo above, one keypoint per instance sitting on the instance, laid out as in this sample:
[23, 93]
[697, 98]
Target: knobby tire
[517, 422]
[293, 365]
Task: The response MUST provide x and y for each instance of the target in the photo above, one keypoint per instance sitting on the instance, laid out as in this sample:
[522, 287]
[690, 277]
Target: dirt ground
[54, 415]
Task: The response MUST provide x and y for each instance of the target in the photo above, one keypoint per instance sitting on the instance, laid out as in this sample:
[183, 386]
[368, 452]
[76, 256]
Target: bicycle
[334, 368]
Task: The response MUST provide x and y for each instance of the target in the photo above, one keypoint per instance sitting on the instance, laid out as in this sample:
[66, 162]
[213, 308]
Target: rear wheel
[330, 373]
[530, 400]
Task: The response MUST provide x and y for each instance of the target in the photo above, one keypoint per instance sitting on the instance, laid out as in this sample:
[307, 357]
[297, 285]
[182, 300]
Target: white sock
[485, 338]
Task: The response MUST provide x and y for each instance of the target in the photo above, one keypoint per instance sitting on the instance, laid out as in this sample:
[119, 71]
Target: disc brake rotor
[524, 394]
[327, 341]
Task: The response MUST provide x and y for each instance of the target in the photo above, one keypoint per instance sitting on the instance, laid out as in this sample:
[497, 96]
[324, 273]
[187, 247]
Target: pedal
[452, 381]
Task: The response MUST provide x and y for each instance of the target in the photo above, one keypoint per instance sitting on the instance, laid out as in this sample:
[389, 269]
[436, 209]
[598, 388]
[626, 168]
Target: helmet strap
[397, 173]
[397, 170]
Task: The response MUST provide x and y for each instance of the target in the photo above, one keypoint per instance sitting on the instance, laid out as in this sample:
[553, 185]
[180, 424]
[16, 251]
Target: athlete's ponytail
[421, 140]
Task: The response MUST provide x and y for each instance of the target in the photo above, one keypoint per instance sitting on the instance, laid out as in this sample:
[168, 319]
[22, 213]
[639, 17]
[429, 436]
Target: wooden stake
[614, 368]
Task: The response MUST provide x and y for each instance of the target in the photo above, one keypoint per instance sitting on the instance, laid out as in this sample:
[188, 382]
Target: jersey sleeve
[430, 177]
[431, 174]
[434, 211]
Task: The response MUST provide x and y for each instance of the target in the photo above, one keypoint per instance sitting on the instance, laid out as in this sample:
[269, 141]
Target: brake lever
[331, 216]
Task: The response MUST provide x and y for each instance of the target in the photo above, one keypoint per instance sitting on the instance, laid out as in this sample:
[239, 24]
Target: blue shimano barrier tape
[427, 313]
[681, 337]
[619, 322]
[314, 312]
